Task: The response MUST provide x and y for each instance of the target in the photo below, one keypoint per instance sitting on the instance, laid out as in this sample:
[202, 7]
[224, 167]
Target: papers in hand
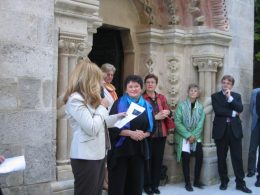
[12, 164]
[133, 111]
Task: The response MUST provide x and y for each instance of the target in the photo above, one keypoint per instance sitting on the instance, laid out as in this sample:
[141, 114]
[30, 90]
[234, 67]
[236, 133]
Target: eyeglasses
[150, 82]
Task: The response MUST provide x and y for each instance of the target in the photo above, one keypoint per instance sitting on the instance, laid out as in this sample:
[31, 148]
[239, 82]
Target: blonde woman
[88, 117]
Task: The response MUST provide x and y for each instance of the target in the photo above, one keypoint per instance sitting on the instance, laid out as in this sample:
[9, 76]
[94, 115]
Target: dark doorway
[107, 48]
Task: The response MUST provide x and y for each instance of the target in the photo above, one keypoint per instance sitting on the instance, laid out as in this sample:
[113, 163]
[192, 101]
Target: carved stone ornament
[174, 19]
[73, 45]
[149, 64]
[173, 65]
[207, 63]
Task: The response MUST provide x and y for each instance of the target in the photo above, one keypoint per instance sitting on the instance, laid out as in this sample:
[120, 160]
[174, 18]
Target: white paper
[133, 111]
[12, 164]
[185, 146]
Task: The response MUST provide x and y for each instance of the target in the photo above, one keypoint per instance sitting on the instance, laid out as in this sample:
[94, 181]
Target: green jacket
[181, 131]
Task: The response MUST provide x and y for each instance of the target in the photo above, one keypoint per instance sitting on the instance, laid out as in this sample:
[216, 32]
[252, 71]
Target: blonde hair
[86, 80]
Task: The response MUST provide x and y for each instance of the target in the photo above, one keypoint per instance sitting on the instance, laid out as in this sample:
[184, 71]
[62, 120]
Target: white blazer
[88, 126]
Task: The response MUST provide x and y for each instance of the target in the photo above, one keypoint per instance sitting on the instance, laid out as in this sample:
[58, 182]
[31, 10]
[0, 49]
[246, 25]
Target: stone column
[207, 68]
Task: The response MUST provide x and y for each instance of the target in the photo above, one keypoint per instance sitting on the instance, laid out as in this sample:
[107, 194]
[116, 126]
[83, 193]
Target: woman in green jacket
[189, 120]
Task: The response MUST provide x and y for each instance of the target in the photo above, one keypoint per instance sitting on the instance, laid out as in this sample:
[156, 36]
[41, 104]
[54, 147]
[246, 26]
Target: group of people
[128, 160]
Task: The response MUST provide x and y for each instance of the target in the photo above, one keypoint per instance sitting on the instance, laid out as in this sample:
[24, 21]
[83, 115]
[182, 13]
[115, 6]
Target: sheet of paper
[133, 111]
[12, 164]
[185, 146]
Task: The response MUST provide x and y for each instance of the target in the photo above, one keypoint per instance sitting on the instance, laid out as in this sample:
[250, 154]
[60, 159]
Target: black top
[129, 146]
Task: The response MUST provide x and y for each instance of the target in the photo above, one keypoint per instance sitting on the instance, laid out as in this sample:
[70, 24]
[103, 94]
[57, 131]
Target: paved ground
[178, 189]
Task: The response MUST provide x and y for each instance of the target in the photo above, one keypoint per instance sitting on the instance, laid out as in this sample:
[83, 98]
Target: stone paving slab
[178, 189]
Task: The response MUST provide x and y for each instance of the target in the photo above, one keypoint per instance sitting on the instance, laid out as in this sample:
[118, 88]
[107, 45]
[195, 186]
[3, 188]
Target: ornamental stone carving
[198, 18]
[171, 8]
[172, 66]
[207, 63]
[149, 63]
[219, 14]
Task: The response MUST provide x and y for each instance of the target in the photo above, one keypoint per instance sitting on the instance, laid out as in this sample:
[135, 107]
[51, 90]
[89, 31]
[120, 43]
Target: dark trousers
[1, 193]
[88, 175]
[258, 163]
[198, 164]
[254, 140]
[126, 177]
[235, 145]
[154, 165]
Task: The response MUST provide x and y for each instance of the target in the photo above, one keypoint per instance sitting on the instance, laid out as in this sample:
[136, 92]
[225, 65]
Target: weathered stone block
[47, 93]
[18, 190]
[8, 94]
[26, 127]
[28, 92]
[40, 160]
[39, 189]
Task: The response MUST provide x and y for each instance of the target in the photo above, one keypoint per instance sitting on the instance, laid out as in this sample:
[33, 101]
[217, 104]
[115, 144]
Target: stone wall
[28, 64]
[240, 59]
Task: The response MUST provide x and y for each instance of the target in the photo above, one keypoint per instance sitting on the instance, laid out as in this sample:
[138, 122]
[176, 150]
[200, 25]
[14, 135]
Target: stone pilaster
[77, 21]
[207, 68]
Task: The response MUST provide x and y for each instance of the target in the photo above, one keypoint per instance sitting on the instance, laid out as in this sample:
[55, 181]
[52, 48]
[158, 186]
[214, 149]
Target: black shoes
[250, 174]
[243, 188]
[148, 190]
[223, 186]
[188, 187]
[257, 183]
[199, 185]
[156, 191]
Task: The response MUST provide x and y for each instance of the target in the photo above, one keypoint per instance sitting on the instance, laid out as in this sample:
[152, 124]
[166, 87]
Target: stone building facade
[182, 41]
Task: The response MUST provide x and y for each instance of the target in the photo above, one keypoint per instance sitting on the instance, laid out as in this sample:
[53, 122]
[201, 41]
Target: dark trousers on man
[235, 145]
[1, 193]
[88, 175]
[254, 140]
[154, 165]
[126, 177]
[198, 164]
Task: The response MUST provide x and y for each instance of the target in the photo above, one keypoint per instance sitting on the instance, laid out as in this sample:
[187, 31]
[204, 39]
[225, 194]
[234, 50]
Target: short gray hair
[108, 67]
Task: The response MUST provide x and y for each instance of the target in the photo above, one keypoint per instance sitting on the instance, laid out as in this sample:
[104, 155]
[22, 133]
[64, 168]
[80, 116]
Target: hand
[136, 135]
[228, 93]
[191, 139]
[2, 158]
[160, 116]
[121, 114]
[166, 113]
[105, 102]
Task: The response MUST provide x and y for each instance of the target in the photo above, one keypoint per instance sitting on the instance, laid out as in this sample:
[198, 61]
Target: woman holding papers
[126, 158]
[189, 120]
[88, 118]
[163, 124]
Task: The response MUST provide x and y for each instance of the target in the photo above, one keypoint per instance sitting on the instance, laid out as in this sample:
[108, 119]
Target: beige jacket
[88, 126]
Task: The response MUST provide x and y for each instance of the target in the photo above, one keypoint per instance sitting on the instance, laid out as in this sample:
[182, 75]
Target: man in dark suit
[257, 184]
[227, 132]
[254, 135]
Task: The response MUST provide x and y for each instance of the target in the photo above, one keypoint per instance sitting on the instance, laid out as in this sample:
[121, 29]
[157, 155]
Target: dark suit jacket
[222, 110]
[258, 105]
